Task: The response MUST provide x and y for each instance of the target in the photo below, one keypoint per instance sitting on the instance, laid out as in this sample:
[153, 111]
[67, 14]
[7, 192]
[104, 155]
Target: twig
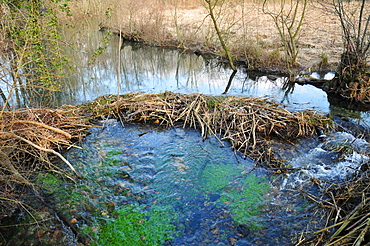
[50, 151]
[43, 125]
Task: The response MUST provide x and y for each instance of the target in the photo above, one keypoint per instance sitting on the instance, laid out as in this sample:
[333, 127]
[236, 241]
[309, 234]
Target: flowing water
[185, 190]
[143, 185]
[204, 193]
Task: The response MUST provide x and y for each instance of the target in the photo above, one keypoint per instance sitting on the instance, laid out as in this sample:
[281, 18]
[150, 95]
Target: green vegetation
[29, 33]
[242, 194]
[128, 225]
[138, 227]
[104, 43]
[88, 195]
[246, 200]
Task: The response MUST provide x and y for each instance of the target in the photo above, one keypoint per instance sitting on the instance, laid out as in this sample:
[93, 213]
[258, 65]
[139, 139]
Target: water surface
[149, 69]
[206, 192]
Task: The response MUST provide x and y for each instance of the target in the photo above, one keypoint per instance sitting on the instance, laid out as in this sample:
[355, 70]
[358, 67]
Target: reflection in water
[154, 70]
[148, 69]
[230, 82]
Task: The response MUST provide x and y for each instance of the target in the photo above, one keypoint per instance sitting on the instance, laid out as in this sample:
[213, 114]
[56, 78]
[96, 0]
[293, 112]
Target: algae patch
[148, 189]
[134, 226]
[243, 194]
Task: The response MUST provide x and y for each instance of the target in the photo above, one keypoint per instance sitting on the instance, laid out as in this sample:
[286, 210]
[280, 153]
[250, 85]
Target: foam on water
[338, 157]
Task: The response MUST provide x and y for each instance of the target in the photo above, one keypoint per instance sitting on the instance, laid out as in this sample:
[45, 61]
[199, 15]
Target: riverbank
[250, 34]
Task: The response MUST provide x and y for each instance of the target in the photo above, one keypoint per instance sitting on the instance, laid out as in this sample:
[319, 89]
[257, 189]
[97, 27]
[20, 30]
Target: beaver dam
[36, 170]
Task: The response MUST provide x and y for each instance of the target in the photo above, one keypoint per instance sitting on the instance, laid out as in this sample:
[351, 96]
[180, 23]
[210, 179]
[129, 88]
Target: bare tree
[288, 18]
[211, 4]
[354, 81]
[355, 21]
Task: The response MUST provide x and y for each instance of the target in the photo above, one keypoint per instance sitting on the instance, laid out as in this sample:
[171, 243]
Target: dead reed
[348, 216]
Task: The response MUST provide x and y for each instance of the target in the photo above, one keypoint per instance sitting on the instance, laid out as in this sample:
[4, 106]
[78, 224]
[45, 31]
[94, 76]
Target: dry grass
[246, 28]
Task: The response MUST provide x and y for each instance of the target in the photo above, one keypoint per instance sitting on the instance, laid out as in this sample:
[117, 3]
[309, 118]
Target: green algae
[241, 193]
[246, 200]
[132, 226]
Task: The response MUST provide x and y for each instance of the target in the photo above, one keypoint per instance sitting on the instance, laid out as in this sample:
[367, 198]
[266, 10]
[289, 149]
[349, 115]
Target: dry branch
[43, 125]
[28, 138]
[348, 213]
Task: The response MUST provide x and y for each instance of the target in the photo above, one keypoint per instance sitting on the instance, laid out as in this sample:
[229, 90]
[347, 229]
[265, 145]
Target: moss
[48, 180]
[113, 153]
[214, 102]
[246, 200]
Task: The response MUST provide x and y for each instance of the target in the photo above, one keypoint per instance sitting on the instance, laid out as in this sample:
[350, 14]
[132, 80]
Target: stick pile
[248, 123]
[29, 140]
[348, 213]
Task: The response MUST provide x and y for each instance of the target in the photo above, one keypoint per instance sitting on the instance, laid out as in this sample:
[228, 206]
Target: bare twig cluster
[29, 140]
[348, 221]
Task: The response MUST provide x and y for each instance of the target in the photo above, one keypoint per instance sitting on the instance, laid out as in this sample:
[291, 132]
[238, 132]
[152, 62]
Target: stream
[144, 185]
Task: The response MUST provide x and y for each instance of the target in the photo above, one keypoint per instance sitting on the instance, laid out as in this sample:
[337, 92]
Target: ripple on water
[210, 195]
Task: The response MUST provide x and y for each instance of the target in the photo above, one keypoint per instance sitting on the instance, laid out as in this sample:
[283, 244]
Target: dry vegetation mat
[30, 141]
[247, 123]
[348, 206]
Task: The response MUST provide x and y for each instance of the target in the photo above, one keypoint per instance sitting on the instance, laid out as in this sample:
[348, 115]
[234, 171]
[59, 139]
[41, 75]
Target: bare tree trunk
[354, 80]
[219, 34]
